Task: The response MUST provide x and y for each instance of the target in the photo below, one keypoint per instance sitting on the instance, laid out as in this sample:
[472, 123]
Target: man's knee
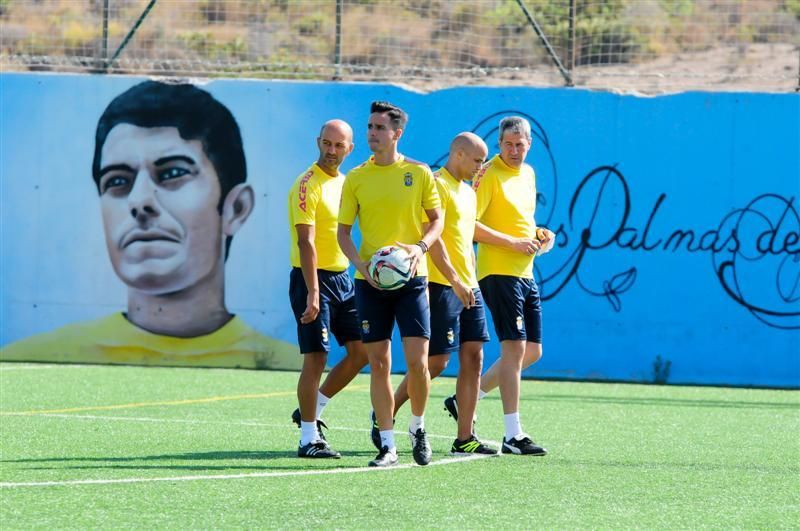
[533, 353]
[314, 362]
[417, 366]
[437, 364]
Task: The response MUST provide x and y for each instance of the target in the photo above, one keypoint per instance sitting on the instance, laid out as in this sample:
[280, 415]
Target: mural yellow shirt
[116, 340]
[506, 200]
[314, 200]
[390, 202]
[459, 209]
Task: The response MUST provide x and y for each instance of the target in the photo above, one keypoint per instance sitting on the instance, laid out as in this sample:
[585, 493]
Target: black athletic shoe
[471, 446]
[451, 406]
[320, 423]
[375, 432]
[420, 447]
[318, 449]
[523, 446]
[384, 458]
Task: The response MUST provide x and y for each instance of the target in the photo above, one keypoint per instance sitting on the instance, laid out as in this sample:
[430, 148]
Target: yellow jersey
[506, 199]
[314, 200]
[458, 209]
[389, 202]
[115, 340]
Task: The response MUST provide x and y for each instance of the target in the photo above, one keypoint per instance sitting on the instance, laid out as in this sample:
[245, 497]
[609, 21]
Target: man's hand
[547, 239]
[363, 268]
[415, 255]
[464, 294]
[312, 309]
[527, 246]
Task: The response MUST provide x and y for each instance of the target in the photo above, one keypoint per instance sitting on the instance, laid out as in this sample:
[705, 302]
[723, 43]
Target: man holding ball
[388, 194]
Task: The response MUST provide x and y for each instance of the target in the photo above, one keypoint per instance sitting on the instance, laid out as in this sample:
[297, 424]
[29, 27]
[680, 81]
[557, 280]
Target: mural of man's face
[158, 197]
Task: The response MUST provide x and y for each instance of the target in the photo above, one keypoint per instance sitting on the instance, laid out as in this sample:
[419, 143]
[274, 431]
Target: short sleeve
[304, 203]
[444, 198]
[484, 188]
[349, 204]
[430, 196]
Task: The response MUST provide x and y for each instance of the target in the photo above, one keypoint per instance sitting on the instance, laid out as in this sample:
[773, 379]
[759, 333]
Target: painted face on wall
[514, 148]
[380, 135]
[158, 197]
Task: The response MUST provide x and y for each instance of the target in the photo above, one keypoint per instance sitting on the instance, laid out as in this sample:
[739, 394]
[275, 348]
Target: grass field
[93, 446]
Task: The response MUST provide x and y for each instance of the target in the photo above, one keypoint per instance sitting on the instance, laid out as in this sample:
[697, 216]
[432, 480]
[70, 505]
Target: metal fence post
[552, 53]
[104, 58]
[337, 52]
[131, 33]
[571, 38]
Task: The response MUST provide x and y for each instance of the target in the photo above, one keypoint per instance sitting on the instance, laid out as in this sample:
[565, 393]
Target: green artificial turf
[94, 446]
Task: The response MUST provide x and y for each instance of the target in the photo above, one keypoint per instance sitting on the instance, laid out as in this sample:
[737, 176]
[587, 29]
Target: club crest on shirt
[365, 326]
[451, 336]
[408, 179]
[324, 334]
[519, 322]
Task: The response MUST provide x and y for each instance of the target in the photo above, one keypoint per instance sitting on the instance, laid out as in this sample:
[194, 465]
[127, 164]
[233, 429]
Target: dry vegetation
[427, 43]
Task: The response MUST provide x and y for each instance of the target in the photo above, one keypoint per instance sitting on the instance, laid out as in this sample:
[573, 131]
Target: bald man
[458, 317]
[320, 290]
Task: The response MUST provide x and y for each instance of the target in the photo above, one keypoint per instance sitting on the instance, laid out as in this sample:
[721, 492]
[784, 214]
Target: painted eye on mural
[115, 181]
[173, 172]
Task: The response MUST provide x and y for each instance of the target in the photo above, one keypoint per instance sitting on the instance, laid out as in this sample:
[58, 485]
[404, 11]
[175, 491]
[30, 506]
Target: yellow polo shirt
[459, 209]
[389, 202]
[506, 199]
[314, 200]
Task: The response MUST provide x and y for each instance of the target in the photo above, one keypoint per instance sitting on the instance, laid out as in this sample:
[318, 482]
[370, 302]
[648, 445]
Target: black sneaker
[420, 447]
[375, 431]
[471, 446]
[522, 446]
[375, 434]
[384, 458]
[318, 449]
[320, 423]
[451, 406]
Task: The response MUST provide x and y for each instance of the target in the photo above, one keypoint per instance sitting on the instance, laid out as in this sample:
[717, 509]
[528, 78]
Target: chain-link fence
[644, 45]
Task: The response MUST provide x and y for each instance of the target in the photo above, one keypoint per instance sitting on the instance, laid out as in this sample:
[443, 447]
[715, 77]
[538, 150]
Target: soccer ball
[390, 267]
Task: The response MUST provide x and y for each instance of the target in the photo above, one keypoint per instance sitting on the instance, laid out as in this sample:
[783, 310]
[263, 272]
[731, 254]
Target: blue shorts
[337, 310]
[515, 305]
[378, 310]
[451, 323]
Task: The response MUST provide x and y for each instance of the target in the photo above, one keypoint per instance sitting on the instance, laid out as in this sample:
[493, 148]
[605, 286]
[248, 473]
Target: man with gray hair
[508, 240]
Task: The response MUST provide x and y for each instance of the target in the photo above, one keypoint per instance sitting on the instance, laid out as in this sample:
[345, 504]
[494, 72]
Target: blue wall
[677, 216]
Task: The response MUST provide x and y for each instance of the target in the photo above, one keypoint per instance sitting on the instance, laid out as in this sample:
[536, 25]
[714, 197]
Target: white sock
[416, 423]
[481, 393]
[322, 401]
[308, 432]
[387, 440]
[513, 427]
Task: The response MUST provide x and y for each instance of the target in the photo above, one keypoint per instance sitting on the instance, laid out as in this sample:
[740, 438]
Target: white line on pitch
[13, 367]
[446, 461]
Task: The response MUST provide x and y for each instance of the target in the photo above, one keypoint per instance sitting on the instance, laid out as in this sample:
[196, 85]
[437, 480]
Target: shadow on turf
[208, 457]
[669, 402]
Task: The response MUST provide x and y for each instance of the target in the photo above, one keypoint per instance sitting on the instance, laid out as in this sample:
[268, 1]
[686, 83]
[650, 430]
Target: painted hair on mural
[397, 116]
[191, 110]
